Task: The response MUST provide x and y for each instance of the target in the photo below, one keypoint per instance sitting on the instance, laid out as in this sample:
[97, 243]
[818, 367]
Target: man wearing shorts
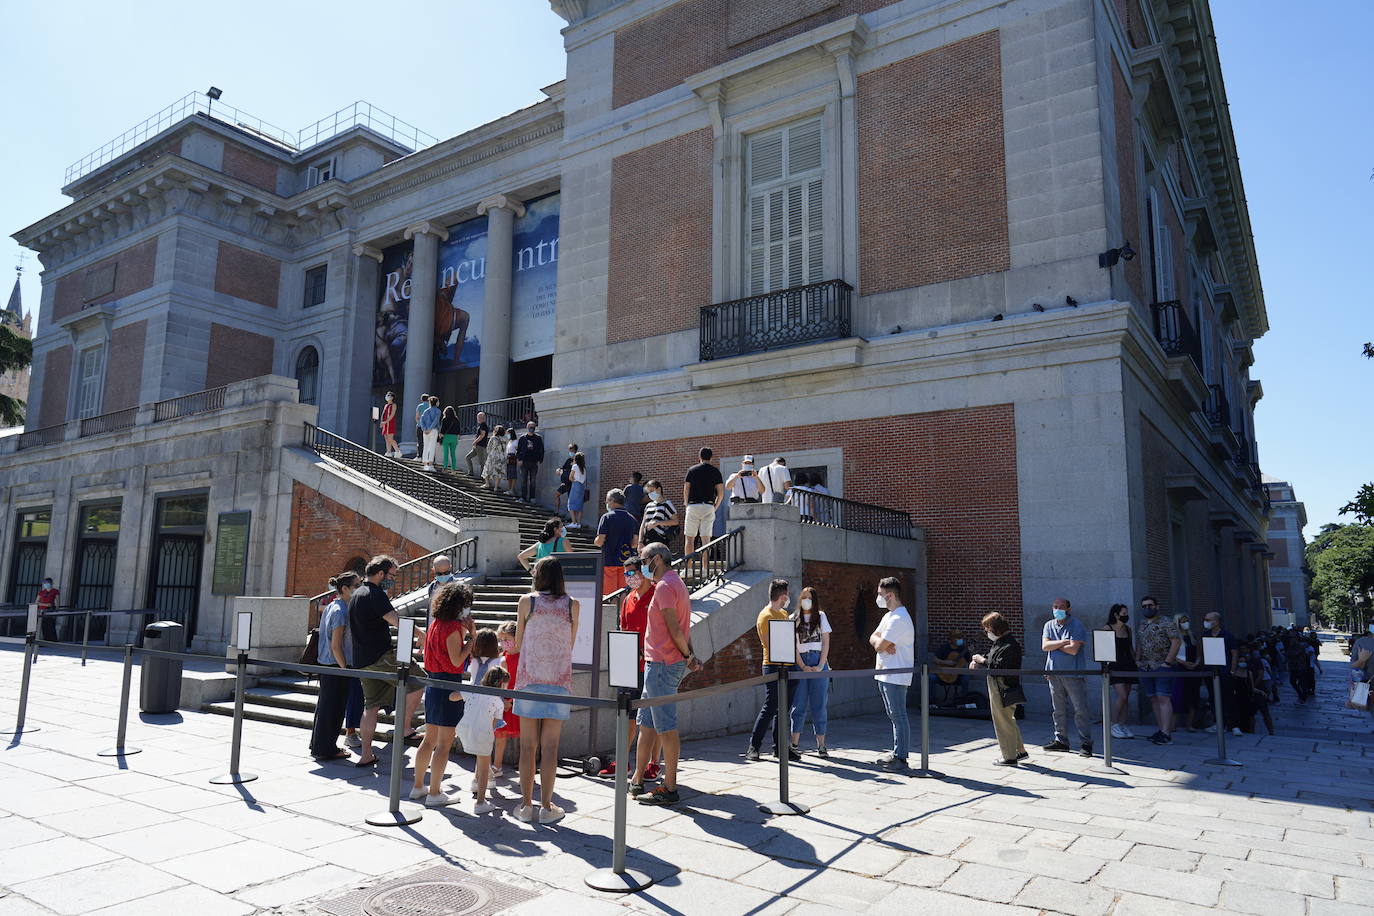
[634, 615]
[370, 619]
[702, 493]
[667, 659]
[1156, 649]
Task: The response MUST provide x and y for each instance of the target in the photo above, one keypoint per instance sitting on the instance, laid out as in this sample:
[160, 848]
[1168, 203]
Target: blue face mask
[958, 642]
[444, 577]
[646, 571]
[388, 584]
[1060, 613]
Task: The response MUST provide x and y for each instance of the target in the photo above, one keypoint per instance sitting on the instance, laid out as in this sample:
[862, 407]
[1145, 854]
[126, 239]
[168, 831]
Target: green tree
[1362, 506]
[15, 353]
[1342, 562]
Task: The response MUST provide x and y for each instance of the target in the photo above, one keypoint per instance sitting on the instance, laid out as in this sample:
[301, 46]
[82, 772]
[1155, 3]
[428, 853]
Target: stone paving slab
[1288, 833]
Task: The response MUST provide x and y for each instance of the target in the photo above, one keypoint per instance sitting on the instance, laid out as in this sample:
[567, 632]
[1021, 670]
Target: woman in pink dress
[546, 625]
[389, 426]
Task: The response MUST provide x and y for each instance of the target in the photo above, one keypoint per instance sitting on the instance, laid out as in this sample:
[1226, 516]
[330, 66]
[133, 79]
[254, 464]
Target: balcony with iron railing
[1177, 337]
[851, 515]
[772, 321]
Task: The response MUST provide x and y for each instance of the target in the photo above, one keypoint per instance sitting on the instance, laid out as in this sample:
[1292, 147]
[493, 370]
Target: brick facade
[953, 470]
[119, 275]
[246, 167]
[236, 354]
[247, 275]
[932, 169]
[124, 366]
[1127, 182]
[327, 535]
[661, 50]
[56, 387]
[660, 238]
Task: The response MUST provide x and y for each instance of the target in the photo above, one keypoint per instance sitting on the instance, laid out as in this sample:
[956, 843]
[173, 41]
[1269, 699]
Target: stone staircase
[289, 699]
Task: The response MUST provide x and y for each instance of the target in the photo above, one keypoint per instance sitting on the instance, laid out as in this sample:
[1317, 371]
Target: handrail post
[30, 654]
[234, 777]
[1107, 766]
[1220, 759]
[617, 878]
[86, 637]
[783, 734]
[120, 749]
[393, 816]
[925, 772]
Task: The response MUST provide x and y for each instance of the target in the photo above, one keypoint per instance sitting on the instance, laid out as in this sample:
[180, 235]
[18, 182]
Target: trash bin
[160, 683]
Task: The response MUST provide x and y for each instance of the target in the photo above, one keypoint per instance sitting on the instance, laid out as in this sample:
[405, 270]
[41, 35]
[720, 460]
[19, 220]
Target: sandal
[366, 763]
[339, 754]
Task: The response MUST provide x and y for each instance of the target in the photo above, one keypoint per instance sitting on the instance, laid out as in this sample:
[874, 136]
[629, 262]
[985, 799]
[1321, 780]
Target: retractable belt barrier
[617, 877]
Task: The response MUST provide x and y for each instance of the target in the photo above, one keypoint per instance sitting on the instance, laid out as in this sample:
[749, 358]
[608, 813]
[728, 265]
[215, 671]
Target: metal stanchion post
[1220, 759]
[86, 636]
[618, 878]
[393, 816]
[784, 735]
[119, 749]
[1107, 766]
[30, 656]
[234, 777]
[925, 772]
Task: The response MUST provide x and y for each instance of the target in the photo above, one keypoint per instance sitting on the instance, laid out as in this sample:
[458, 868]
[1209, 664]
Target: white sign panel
[243, 631]
[1104, 645]
[405, 639]
[622, 651]
[782, 642]
[1214, 650]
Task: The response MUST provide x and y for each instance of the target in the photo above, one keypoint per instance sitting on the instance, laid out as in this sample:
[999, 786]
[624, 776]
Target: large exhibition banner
[393, 318]
[534, 285]
[462, 288]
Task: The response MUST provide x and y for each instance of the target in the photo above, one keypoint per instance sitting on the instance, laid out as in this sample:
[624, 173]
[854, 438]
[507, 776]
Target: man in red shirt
[634, 616]
[668, 658]
[47, 601]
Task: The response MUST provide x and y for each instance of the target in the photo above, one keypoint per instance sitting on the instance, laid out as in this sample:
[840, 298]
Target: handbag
[310, 655]
[1359, 695]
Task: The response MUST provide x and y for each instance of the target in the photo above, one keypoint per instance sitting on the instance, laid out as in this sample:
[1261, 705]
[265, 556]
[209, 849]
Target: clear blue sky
[1298, 82]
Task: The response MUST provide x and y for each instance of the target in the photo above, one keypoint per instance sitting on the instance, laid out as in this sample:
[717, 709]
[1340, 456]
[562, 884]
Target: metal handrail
[1175, 332]
[505, 412]
[712, 560]
[851, 515]
[785, 318]
[44, 435]
[109, 422]
[412, 573]
[189, 404]
[364, 114]
[395, 474]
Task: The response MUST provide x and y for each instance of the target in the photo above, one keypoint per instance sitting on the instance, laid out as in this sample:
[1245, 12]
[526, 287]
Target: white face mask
[786, 603]
[806, 604]
[1183, 625]
[654, 496]
[880, 601]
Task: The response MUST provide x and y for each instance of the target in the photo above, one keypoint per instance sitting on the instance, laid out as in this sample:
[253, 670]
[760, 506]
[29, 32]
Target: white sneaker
[526, 813]
[439, 801]
[551, 815]
[1126, 732]
[483, 807]
[1211, 729]
[417, 794]
[1236, 732]
[1118, 731]
[353, 741]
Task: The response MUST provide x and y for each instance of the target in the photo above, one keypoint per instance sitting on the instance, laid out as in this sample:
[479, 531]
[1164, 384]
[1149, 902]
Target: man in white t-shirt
[895, 643]
[776, 480]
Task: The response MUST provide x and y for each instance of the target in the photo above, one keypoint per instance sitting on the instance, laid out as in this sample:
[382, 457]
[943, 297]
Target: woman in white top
[813, 654]
[577, 477]
[743, 485]
[659, 515]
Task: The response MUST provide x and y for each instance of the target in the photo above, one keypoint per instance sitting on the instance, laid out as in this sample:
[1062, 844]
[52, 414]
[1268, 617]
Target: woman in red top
[389, 426]
[448, 643]
[511, 662]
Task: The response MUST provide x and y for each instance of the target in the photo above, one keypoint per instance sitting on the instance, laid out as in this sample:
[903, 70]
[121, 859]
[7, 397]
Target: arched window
[308, 375]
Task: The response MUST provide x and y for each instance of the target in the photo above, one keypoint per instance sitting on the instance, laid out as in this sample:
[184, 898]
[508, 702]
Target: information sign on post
[33, 619]
[1104, 646]
[243, 631]
[622, 652]
[1214, 650]
[582, 579]
[782, 642]
[405, 640]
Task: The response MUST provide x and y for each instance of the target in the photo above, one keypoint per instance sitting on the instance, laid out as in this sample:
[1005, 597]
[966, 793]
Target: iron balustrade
[394, 474]
[851, 515]
[189, 404]
[506, 412]
[1175, 332]
[1218, 407]
[411, 574]
[44, 435]
[786, 318]
[109, 422]
[712, 560]
[365, 114]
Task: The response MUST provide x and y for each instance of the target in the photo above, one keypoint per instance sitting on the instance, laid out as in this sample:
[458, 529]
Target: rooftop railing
[109, 422]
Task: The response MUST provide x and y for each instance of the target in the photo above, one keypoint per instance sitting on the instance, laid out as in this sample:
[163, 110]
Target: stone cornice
[841, 39]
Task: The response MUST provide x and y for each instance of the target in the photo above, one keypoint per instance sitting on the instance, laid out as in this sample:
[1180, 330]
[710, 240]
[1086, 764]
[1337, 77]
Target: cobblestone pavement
[1288, 833]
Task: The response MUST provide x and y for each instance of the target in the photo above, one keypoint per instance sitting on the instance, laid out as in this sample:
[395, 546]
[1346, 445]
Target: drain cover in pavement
[440, 891]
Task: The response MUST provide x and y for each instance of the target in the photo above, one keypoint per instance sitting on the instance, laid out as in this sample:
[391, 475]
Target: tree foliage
[1342, 561]
[15, 353]
[1362, 506]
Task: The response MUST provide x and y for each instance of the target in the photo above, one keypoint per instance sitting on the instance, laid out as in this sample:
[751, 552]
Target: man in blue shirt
[429, 430]
[617, 534]
[1063, 640]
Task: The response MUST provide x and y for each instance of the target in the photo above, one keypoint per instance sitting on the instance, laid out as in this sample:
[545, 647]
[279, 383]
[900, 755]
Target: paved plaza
[1288, 833]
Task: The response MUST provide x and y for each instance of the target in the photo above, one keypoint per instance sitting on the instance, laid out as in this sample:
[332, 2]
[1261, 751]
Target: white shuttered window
[90, 377]
[786, 215]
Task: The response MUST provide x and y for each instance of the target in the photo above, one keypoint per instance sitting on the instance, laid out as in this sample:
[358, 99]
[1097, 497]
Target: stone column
[501, 212]
[354, 410]
[424, 285]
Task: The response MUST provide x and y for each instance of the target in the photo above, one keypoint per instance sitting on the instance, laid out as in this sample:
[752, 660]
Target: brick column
[494, 372]
[424, 283]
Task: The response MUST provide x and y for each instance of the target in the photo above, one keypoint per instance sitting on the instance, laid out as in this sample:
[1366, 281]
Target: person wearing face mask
[388, 424]
[1118, 621]
[564, 478]
[1189, 690]
[442, 567]
[370, 619]
[660, 516]
[1004, 692]
[948, 661]
[529, 451]
[1212, 628]
[634, 617]
[779, 598]
[813, 652]
[46, 599]
[617, 534]
[1062, 641]
[894, 641]
[1156, 650]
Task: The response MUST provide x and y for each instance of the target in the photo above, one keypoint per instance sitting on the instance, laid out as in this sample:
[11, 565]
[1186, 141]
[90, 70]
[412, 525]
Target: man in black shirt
[530, 453]
[370, 619]
[479, 445]
[702, 492]
[634, 496]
